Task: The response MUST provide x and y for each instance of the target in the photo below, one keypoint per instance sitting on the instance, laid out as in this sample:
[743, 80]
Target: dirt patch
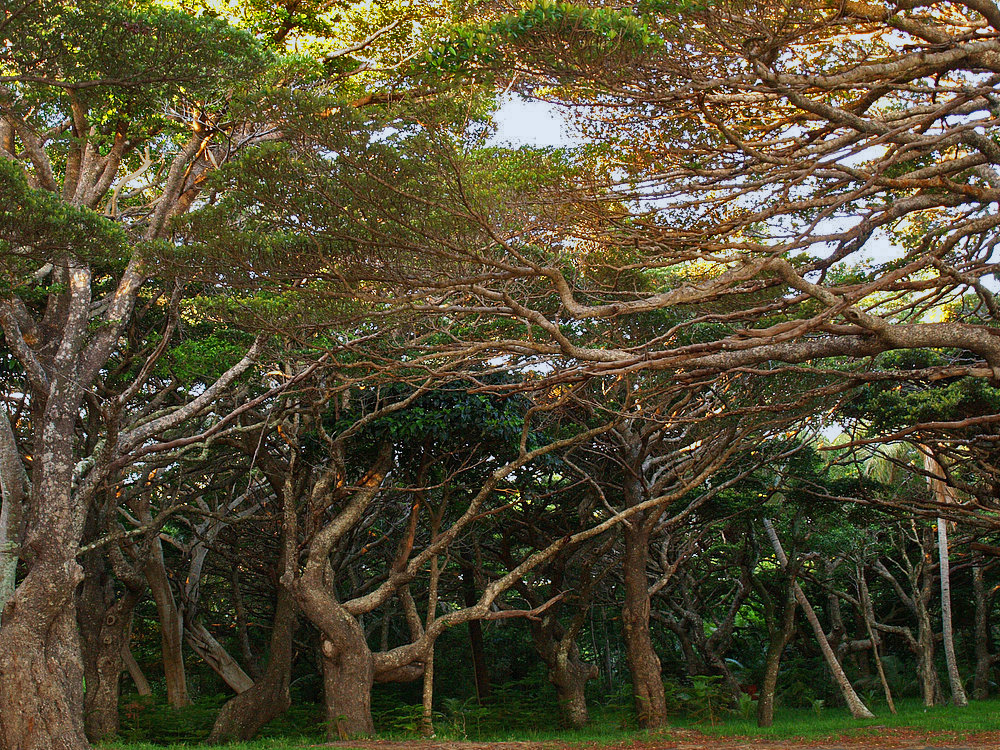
[870, 738]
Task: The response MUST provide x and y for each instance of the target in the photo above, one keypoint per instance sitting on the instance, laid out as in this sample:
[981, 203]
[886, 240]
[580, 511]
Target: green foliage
[35, 223]
[596, 33]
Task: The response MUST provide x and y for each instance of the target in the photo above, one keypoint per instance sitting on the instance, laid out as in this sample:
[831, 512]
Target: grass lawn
[940, 726]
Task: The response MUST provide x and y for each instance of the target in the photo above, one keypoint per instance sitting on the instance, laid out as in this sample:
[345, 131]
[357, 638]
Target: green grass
[612, 725]
[806, 723]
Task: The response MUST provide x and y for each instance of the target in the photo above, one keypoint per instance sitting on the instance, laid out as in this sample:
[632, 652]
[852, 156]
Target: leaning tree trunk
[245, 715]
[643, 663]
[854, 704]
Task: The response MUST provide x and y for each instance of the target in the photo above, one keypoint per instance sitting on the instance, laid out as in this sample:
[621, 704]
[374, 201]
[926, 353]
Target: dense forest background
[324, 412]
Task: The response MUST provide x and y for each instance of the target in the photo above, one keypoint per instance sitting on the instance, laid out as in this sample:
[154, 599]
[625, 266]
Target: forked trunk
[643, 663]
[245, 715]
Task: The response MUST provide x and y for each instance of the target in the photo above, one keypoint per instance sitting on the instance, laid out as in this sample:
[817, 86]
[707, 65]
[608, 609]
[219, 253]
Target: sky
[530, 123]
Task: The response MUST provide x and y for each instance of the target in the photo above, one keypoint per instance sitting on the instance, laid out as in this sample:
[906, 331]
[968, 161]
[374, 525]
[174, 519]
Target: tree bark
[958, 696]
[643, 663]
[171, 627]
[135, 672]
[868, 615]
[215, 655]
[105, 623]
[348, 678]
[780, 636]
[41, 669]
[243, 716]
[480, 669]
[984, 658]
[14, 491]
[854, 704]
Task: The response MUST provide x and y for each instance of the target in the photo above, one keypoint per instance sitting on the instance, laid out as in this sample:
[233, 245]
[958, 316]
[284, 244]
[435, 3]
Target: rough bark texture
[105, 622]
[14, 490]
[643, 663]
[244, 715]
[41, 671]
[348, 678]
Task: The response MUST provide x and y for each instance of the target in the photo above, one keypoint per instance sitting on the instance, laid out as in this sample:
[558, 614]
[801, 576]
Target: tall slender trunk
[958, 696]
[171, 627]
[643, 663]
[930, 687]
[868, 615]
[854, 704]
[780, 635]
[480, 669]
[985, 659]
[243, 716]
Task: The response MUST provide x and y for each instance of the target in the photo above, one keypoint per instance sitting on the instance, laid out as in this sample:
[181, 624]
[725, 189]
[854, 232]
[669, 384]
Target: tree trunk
[984, 658]
[570, 675]
[857, 708]
[13, 491]
[204, 644]
[171, 627]
[135, 672]
[348, 678]
[775, 647]
[958, 696]
[41, 669]
[868, 615]
[105, 622]
[643, 663]
[246, 714]
[41, 666]
[479, 667]
[929, 686]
